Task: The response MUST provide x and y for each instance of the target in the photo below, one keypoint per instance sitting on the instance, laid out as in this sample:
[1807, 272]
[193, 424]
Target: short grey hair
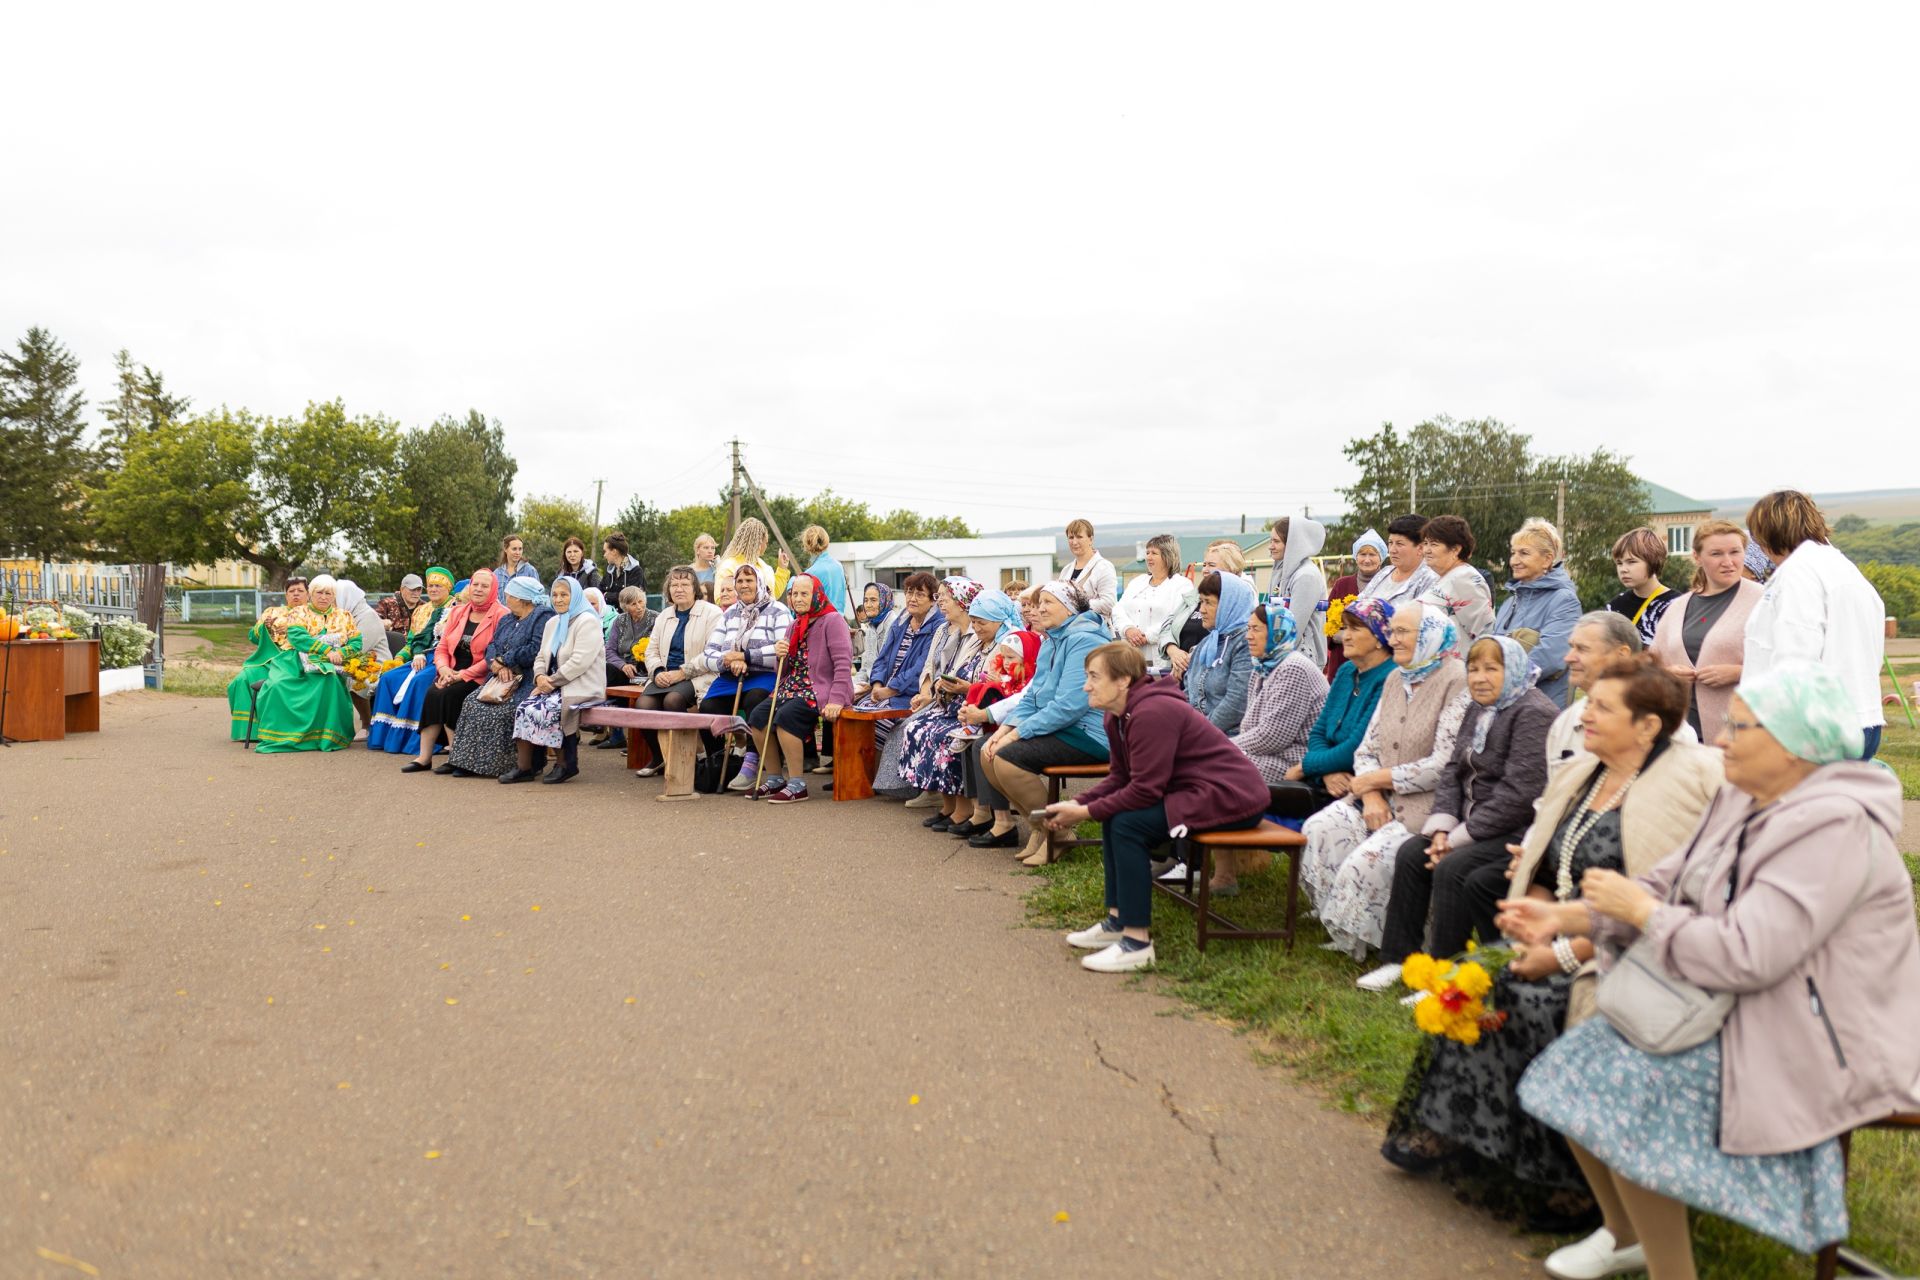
[1169, 548]
[1615, 628]
[629, 594]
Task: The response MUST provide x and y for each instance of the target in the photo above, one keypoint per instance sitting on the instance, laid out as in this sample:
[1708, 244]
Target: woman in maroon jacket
[1171, 771]
[816, 681]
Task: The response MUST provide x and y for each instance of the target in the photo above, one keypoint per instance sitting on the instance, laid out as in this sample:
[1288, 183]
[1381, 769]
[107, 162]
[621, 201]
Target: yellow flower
[1472, 979]
[1431, 1017]
[1418, 971]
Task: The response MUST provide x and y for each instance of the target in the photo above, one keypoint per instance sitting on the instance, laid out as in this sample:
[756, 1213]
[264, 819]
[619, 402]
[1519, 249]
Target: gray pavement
[248, 999]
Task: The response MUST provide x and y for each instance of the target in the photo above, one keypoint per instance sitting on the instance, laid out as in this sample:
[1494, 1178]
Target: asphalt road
[301, 1016]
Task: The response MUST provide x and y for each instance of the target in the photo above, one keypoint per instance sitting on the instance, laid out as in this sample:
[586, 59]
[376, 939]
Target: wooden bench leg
[681, 747]
[1204, 872]
[854, 759]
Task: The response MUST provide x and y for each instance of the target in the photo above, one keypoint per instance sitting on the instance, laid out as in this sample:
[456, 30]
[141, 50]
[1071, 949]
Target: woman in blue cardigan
[1051, 723]
[1326, 773]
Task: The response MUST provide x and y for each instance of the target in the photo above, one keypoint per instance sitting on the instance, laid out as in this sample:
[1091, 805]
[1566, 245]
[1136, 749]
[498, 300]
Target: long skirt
[927, 756]
[1655, 1121]
[538, 720]
[484, 742]
[397, 701]
[1348, 872]
[302, 711]
[258, 666]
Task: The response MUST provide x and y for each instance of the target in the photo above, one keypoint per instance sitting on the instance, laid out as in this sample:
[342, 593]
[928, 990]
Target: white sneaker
[1175, 873]
[651, 771]
[742, 781]
[1115, 960]
[1416, 998]
[925, 800]
[1096, 937]
[1379, 979]
[1595, 1257]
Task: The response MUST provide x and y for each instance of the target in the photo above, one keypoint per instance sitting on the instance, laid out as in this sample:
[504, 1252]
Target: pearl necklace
[1590, 818]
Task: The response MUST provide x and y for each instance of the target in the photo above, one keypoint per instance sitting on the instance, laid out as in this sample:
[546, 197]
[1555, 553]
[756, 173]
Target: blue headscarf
[527, 588]
[886, 603]
[1283, 635]
[1517, 675]
[1370, 539]
[1229, 621]
[996, 606]
[577, 607]
[1433, 645]
[462, 585]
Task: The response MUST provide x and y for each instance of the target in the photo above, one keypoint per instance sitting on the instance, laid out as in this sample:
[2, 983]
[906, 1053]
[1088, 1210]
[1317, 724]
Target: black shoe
[445, 766]
[1008, 839]
[414, 766]
[609, 745]
[518, 775]
[558, 774]
[939, 822]
[962, 829]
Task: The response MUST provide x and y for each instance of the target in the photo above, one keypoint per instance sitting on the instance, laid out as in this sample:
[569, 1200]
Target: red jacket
[484, 607]
[1165, 751]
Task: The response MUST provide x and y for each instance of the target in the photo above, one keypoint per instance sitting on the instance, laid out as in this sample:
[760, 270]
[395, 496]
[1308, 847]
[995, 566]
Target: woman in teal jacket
[1326, 773]
[1051, 724]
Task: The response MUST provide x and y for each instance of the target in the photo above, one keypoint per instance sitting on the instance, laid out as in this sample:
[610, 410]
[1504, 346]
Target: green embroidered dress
[304, 704]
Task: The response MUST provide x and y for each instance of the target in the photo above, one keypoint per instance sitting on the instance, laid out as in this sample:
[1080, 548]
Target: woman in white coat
[569, 672]
[1157, 603]
[680, 634]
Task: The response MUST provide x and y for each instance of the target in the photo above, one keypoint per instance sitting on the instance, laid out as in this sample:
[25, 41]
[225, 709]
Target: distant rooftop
[1662, 501]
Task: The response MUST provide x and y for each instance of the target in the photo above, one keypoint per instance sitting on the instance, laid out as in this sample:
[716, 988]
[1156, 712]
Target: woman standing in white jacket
[569, 672]
[1088, 570]
[675, 681]
[1157, 603]
[1816, 605]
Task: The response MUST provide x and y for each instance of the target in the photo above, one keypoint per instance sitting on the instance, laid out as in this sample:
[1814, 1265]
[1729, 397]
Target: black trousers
[1462, 892]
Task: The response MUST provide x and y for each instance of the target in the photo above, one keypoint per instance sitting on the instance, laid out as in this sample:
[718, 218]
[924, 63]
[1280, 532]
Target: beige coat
[1726, 642]
[700, 624]
[1658, 816]
[581, 672]
[1406, 737]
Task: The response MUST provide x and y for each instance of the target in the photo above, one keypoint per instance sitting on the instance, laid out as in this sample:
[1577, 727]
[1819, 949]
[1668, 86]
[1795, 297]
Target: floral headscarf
[1283, 636]
[1517, 675]
[1806, 709]
[962, 589]
[1229, 620]
[886, 604]
[803, 623]
[1758, 565]
[1372, 613]
[1431, 647]
[996, 606]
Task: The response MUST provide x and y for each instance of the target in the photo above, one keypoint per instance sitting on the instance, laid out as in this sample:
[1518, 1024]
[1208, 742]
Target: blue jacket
[1055, 700]
[1220, 693]
[1549, 605]
[901, 672]
[516, 642]
[833, 580]
[1343, 719]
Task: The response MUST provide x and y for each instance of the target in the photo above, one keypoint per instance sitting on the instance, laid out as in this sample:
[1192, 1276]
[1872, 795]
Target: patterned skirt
[538, 720]
[1348, 872]
[927, 758]
[1656, 1122]
[483, 741]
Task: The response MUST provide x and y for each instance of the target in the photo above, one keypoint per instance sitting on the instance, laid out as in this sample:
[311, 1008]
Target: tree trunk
[151, 595]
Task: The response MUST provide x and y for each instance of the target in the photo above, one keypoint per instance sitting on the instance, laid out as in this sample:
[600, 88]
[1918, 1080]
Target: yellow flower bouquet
[1337, 614]
[640, 648]
[1456, 995]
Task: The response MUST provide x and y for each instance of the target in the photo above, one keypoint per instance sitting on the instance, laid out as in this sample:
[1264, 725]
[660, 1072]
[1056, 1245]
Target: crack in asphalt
[1100, 1056]
[1185, 1122]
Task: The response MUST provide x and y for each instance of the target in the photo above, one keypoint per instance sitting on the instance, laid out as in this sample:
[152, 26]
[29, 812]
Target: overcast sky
[1017, 262]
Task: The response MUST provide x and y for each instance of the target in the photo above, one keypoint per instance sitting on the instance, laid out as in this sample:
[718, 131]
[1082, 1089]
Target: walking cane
[773, 705]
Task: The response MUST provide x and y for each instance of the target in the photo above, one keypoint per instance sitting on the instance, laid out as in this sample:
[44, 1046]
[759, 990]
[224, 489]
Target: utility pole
[598, 487]
[1413, 494]
[733, 507]
[1560, 508]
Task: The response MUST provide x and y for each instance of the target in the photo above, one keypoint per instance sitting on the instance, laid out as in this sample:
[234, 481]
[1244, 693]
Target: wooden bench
[1196, 849]
[1829, 1261]
[1057, 775]
[855, 756]
[682, 745]
[639, 756]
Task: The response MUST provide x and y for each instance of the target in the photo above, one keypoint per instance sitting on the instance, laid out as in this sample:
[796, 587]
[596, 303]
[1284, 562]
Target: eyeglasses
[1736, 727]
[1402, 633]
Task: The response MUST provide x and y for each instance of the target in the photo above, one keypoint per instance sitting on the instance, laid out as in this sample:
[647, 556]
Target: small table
[682, 729]
[52, 688]
[854, 755]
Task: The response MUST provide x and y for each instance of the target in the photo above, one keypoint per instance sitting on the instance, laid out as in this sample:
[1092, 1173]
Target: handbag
[500, 688]
[1657, 1011]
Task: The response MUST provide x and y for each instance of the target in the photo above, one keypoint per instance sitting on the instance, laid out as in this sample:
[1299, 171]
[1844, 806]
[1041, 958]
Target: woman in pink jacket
[1792, 898]
[459, 663]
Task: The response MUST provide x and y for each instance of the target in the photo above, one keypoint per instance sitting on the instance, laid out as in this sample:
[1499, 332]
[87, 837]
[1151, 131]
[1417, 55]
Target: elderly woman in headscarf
[976, 618]
[597, 605]
[1791, 898]
[879, 610]
[569, 673]
[1369, 551]
[630, 629]
[269, 636]
[1284, 695]
[816, 682]
[459, 663]
[1348, 865]
[304, 704]
[953, 654]
[1216, 679]
[741, 654]
[484, 748]
[1003, 674]
[373, 642]
[401, 692]
[1624, 805]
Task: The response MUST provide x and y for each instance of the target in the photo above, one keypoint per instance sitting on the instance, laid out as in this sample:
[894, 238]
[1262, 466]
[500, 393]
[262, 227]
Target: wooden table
[854, 755]
[682, 730]
[52, 688]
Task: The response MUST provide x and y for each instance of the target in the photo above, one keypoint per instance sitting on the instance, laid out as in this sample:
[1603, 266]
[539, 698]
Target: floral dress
[1348, 870]
[927, 756]
[1461, 1105]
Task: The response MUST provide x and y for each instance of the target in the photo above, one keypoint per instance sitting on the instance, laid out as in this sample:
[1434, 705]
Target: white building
[993, 561]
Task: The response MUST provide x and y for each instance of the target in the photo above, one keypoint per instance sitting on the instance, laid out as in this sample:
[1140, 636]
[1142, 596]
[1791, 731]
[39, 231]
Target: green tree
[1884, 543]
[1899, 588]
[47, 463]
[544, 523]
[140, 403]
[449, 503]
[276, 492]
[1487, 473]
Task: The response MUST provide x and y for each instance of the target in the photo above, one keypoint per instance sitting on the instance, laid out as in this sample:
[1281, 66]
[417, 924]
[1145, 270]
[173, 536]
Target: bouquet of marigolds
[1456, 991]
[364, 670]
[1337, 614]
[640, 648]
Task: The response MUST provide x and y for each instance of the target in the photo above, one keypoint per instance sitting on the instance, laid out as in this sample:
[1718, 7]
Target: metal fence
[105, 591]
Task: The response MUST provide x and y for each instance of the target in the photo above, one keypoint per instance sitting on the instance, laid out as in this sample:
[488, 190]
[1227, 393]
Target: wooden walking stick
[773, 705]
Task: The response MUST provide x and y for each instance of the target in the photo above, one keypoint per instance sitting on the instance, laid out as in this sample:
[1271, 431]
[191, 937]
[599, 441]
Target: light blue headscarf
[1517, 675]
[1283, 635]
[1434, 644]
[1229, 621]
[1807, 710]
[528, 589]
[577, 607]
[996, 606]
[1370, 539]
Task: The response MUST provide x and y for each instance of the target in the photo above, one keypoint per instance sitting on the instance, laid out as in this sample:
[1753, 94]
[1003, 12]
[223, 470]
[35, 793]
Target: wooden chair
[1196, 849]
[1830, 1260]
[855, 755]
[1057, 775]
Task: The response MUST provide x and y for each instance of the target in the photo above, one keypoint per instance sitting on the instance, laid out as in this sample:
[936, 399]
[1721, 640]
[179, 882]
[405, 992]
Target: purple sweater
[829, 651]
[1164, 751]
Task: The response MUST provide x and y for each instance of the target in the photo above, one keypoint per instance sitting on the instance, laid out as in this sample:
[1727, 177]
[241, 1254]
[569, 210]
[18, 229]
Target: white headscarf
[373, 630]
